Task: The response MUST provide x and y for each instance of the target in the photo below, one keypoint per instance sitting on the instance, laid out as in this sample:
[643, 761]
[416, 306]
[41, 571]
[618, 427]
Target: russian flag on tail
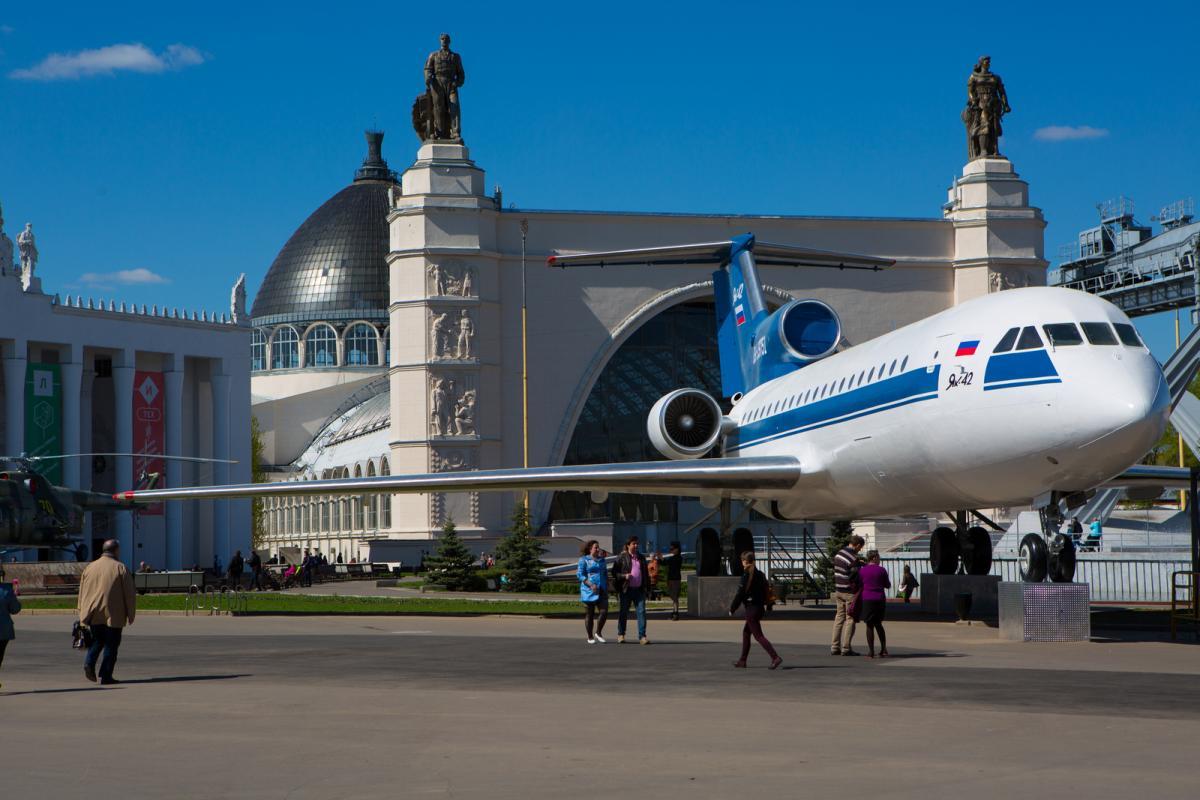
[966, 348]
[739, 314]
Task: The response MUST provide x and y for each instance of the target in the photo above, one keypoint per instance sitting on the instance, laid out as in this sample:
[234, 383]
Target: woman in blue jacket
[593, 589]
[9, 605]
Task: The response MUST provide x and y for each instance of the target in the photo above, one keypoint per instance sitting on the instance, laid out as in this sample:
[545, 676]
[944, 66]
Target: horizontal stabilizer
[720, 253]
[743, 477]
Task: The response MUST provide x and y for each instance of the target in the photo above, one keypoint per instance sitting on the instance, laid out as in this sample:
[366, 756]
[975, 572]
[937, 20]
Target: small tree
[839, 536]
[520, 555]
[453, 566]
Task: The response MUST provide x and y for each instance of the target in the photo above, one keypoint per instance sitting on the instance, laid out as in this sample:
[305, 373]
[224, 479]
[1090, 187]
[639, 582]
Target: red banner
[148, 431]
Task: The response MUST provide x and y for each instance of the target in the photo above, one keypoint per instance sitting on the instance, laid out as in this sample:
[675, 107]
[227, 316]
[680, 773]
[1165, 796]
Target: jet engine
[684, 424]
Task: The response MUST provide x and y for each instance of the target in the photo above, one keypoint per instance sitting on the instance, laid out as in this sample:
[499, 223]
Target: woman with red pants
[753, 595]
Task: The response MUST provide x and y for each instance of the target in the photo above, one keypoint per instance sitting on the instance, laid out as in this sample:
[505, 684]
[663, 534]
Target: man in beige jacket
[107, 604]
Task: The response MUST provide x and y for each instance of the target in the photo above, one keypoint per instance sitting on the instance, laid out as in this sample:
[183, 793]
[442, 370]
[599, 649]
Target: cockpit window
[1029, 339]
[1062, 334]
[1128, 335]
[1098, 333]
[1007, 341]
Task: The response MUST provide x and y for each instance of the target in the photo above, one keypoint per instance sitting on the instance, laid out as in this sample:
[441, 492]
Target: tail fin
[740, 308]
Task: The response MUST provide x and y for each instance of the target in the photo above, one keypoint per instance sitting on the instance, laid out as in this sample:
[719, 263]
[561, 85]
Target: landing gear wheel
[943, 551]
[975, 544]
[1033, 558]
[743, 540]
[1062, 559]
[708, 552]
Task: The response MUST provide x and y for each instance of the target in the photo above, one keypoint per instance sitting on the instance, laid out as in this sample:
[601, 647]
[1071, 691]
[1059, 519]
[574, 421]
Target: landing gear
[1062, 558]
[970, 545]
[975, 547]
[943, 551]
[1034, 556]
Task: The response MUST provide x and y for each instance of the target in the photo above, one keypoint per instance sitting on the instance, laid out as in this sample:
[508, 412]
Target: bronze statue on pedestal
[987, 103]
[436, 114]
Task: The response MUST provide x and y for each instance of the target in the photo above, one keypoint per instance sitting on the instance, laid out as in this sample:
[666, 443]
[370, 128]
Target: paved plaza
[503, 707]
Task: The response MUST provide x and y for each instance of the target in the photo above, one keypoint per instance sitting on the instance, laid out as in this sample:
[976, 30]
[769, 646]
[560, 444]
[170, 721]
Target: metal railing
[1129, 580]
[1184, 601]
[225, 601]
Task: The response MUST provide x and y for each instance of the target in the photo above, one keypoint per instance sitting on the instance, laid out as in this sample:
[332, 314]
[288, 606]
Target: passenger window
[1128, 335]
[1098, 333]
[871, 376]
[892, 371]
[842, 385]
[1007, 341]
[1029, 339]
[1063, 334]
[904, 363]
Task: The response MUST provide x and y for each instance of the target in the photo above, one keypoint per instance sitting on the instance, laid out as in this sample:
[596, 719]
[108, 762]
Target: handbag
[81, 636]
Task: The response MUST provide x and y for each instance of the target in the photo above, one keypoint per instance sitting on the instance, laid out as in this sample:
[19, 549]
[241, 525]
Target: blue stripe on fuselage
[1023, 365]
[909, 387]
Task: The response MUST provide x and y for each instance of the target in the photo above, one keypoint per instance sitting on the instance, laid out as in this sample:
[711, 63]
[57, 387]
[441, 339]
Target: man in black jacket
[236, 565]
[631, 579]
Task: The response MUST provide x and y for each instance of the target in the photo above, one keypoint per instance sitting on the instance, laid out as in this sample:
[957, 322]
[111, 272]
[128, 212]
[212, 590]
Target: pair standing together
[861, 595]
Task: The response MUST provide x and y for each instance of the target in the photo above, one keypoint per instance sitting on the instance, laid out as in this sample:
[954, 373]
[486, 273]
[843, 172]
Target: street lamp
[524, 359]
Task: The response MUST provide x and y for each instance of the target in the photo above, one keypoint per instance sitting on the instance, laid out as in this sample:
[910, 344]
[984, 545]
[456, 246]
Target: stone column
[123, 405]
[220, 411]
[14, 398]
[173, 406]
[998, 236]
[72, 383]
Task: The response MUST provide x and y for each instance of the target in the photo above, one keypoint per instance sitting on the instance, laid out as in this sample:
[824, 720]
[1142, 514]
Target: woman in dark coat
[753, 595]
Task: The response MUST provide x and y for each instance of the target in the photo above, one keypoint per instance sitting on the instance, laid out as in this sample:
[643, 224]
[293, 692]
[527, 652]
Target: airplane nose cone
[1138, 399]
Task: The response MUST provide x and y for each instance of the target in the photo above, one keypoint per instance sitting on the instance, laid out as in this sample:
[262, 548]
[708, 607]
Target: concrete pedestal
[443, 168]
[937, 594]
[710, 597]
[1045, 612]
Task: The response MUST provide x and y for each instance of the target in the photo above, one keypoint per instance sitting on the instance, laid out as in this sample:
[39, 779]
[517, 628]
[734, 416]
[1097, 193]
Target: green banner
[43, 417]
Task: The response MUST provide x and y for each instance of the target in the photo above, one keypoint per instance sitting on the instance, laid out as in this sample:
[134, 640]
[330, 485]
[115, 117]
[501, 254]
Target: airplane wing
[719, 253]
[764, 476]
[1147, 475]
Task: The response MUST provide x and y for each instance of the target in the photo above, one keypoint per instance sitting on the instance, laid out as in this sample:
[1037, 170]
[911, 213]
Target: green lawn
[269, 603]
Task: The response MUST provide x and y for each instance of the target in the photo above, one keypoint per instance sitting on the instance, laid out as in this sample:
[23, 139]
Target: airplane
[1034, 396]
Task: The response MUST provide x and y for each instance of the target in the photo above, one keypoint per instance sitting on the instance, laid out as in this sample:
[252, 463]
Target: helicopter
[35, 513]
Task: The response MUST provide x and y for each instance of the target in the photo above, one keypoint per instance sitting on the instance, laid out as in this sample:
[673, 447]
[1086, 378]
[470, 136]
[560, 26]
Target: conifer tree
[453, 566]
[520, 555]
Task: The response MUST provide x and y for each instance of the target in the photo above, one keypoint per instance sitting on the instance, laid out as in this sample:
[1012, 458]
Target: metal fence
[1111, 579]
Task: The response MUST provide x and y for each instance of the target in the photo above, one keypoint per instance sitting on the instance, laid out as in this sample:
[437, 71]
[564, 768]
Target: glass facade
[362, 345]
[258, 350]
[676, 348]
[285, 348]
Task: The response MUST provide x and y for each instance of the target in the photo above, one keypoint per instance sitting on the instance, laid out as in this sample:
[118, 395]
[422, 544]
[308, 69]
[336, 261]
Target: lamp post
[524, 359]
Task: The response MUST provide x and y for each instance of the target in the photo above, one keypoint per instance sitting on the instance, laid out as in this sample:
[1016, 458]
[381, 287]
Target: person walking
[256, 570]
[9, 605]
[107, 604]
[846, 587]
[593, 590]
[908, 583]
[237, 565]
[752, 594]
[875, 583]
[630, 577]
[306, 568]
[674, 563]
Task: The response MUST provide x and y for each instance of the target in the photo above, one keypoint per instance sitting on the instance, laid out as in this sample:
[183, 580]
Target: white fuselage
[914, 421]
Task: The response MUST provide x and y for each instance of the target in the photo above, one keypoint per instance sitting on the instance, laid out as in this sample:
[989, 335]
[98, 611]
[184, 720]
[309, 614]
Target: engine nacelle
[685, 423]
[800, 332]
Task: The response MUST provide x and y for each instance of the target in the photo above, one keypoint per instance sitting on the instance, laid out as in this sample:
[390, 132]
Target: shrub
[453, 566]
[520, 555]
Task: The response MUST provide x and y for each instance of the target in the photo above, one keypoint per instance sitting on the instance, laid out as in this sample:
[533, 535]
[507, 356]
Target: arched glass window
[258, 350]
[362, 345]
[387, 346]
[320, 347]
[285, 348]
[385, 500]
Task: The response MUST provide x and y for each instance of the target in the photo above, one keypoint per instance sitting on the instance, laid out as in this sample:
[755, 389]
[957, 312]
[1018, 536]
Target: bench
[61, 584]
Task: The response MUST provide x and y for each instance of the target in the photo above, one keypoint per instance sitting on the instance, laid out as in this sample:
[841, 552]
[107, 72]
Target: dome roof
[334, 267]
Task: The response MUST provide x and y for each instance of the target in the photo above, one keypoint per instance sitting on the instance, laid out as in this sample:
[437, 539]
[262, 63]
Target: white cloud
[6, 29]
[123, 277]
[1066, 133]
[110, 60]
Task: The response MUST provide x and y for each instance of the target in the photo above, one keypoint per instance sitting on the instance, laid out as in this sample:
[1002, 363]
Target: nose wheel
[1034, 558]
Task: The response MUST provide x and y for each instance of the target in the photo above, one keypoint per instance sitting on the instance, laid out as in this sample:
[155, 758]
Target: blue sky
[218, 127]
